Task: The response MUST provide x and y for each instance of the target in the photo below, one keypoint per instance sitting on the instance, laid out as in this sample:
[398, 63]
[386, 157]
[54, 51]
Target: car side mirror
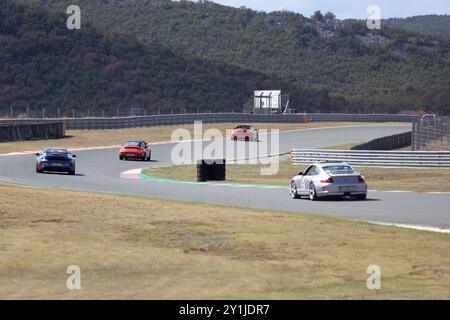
[301, 174]
[37, 154]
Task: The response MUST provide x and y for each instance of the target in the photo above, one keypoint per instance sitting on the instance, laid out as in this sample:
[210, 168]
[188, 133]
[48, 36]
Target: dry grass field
[136, 248]
[439, 145]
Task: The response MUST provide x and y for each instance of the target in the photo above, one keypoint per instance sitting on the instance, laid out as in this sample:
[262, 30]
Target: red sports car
[135, 150]
[244, 132]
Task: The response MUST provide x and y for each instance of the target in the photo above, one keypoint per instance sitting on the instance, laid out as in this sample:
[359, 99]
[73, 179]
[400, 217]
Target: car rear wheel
[120, 158]
[235, 138]
[312, 192]
[247, 139]
[72, 172]
[38, 170]
[361, 196]
[294, 193]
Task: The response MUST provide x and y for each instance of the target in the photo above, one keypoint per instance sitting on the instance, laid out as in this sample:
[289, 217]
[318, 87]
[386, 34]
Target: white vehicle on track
[327, 179]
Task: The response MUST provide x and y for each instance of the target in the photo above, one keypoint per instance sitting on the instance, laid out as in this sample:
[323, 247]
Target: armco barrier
[374, 158]
[32, 131]
[393, 142]
[179, 119]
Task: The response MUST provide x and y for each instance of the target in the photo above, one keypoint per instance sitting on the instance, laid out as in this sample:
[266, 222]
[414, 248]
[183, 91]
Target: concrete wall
[393, 142]
[31, 131]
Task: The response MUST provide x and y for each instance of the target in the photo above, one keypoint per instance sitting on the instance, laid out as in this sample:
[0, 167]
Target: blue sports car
[59, 160]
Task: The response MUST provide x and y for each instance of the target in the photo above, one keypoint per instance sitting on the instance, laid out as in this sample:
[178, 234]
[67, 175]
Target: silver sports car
[325, 179]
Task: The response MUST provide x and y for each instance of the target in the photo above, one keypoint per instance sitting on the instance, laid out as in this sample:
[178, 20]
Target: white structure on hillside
[268, 101]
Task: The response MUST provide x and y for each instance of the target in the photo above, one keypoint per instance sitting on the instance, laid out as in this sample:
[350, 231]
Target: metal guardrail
[177, 119]
[428, 159]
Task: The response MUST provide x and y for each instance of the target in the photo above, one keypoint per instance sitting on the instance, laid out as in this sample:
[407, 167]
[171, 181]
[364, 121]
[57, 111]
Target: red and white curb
[131, 174]
[135, 174]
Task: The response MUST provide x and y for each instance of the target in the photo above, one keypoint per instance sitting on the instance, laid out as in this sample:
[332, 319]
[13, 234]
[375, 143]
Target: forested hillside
[384, 71]
[45, 65]
[435, 25]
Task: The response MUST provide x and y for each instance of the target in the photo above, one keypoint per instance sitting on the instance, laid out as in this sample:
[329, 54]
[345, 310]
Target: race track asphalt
[100, 171]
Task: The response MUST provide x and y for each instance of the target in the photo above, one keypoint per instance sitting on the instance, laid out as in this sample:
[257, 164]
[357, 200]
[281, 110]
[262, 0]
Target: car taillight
[329, 180]
[361, 179]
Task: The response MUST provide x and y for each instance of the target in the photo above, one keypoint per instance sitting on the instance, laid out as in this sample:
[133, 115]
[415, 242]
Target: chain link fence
[431, 134]
[80, 113]
[239, 118]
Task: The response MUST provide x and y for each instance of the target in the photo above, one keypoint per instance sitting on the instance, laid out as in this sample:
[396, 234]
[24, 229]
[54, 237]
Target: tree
[437, 101]
[329, 16]
[318, 16]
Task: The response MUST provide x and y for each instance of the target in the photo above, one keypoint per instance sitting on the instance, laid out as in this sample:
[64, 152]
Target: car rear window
[132, 144]
[57, 154]
[339, 169]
